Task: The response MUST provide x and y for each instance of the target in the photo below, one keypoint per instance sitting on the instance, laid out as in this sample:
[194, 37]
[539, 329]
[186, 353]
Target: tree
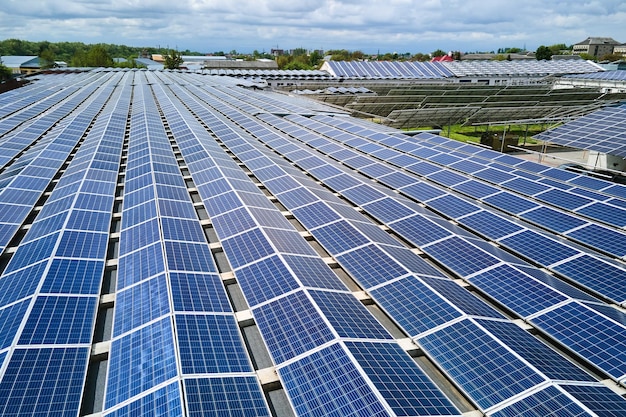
[543, 52]
[611, 57]
[173, 60]
[5, 72]
[438, 52]
[46, 59]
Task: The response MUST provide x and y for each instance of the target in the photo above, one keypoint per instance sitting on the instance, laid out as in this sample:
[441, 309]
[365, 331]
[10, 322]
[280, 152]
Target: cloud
[368, 25]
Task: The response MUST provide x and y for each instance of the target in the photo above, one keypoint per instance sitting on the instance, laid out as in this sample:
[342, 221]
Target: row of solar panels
[607, 328]
[394, 69]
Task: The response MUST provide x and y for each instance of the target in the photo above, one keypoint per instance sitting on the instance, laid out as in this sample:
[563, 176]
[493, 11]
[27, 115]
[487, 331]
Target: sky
[367, 25]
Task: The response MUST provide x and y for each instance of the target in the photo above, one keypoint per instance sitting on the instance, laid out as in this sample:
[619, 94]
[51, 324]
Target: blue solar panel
[339, 237]
[590, 335]
[348, 316]
[482, 367]
[490, 224]
[420, 230]
[462, 299]
[510, 202]
[609, 214]
[313, 272]
[233, 395]
[549, 402]
[516, 291]
[20, 284]
[370, 266]
[552, 219]
[140, 265]
[563, 199]
[59, 320]
[422, 191]
[130, 373]
[165, 402]
[538, 354]
[210, 344]
[460, 256]
[141, 304]
[74, 276]
[315, 214]
[407, 390]
[525, 186]
[452, 206]
[600, 399]
[10, 320]
[291, 326]
[415, 307]
[327, 383]
[198, 292]
[388, 210]
[538, 247]
[265, 279]
[594, 273]
[191, 257]
[476, 189]
[603, 238]
[289, 241]
[46, 381]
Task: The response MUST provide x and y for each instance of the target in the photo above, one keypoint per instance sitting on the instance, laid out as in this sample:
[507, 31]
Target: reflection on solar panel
[173, 244]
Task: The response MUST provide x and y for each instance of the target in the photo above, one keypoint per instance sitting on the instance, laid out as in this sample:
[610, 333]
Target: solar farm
[174, 244]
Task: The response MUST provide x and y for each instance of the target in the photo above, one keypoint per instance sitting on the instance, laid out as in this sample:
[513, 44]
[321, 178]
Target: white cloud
[392, 25]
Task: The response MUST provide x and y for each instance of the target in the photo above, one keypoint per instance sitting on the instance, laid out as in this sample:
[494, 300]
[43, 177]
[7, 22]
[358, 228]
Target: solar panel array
[601, 131]
[173, 244]
[416, 70]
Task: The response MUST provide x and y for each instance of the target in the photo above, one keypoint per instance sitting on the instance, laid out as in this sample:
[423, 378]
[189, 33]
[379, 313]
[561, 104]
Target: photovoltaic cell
[602, 277]
[538, 247]
[59, 320]
[589, 334]
[415, 307]
[210, 343]
[235, 395]
[371, 266]
[46, 381]
[460, 256]
[10, 320]
[549, 402]
[538, 354]
[198, 292]
[164, 402]
[263, 280]
[348, 316]
[463, 299]
[328, 383]
[130, 372]
[600, 399]
[490, 224]
[516, 290]
[141, 304]
[402, 384]
[313, 272]
[480, 365]
[291, 326]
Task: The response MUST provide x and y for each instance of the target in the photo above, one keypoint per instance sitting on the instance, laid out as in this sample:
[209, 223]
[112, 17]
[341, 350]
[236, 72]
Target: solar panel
[590, 335]
[481, 366]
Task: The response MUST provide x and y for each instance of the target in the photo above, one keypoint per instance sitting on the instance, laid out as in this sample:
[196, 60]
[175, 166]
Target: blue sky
[366, 25]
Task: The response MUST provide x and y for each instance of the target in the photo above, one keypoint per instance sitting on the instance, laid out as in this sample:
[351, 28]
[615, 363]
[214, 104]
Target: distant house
[620, 49]
[21, 65]
[444, 58]
[595, 46]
